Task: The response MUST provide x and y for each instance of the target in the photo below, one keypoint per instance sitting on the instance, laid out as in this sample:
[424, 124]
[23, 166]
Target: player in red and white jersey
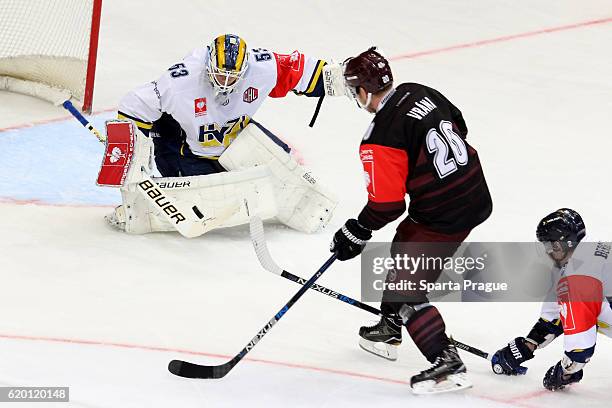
[581, 306]
[200, 105]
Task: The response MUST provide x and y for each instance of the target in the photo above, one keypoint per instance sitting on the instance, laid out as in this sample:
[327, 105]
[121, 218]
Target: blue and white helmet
[227, 63]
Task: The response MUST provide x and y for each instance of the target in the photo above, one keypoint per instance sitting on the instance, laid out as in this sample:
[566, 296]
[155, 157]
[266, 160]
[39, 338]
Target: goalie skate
[382, 338]
[116, 219]
[447, 374]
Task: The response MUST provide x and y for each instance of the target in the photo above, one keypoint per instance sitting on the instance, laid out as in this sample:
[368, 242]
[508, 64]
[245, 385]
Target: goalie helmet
[227, 62]
[564, 226]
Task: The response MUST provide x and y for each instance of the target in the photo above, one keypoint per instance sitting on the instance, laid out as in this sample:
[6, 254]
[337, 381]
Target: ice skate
[447, 374]
[382, 338]
[116, 219]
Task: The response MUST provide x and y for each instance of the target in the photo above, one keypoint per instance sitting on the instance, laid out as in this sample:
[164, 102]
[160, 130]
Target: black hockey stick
[263, 254]
[191, 370]
[261, 250]
[470, 349]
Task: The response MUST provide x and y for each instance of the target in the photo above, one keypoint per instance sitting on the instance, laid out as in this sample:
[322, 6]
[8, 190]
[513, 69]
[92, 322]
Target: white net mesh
[46, 41]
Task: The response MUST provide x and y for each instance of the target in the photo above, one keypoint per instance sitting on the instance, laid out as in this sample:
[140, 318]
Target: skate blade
[453, 382]
[384, 350]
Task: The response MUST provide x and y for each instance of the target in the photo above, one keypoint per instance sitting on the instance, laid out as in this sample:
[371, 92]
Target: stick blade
[261, 249]
[186, 369]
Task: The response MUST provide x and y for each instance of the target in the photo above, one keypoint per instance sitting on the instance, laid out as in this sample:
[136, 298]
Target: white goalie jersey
[212, 122]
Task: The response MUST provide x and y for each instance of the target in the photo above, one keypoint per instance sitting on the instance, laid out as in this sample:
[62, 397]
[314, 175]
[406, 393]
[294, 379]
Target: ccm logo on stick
[157, 196]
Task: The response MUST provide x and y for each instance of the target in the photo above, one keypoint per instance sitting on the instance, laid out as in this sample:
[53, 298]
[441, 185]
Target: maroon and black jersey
[416, 145]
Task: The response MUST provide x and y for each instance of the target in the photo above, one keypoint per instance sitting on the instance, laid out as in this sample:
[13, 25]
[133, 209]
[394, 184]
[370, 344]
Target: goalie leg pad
[222, 200]
[191, 205]
[303, 203]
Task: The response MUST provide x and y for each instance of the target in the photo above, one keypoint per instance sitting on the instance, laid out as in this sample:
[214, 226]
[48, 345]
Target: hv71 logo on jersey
[250, 94]
[200, 106]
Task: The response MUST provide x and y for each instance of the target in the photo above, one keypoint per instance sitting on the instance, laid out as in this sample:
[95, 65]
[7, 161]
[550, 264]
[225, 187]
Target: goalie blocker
[262, 179]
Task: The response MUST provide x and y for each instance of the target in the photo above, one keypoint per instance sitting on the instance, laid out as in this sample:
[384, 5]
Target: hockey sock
[427, 329]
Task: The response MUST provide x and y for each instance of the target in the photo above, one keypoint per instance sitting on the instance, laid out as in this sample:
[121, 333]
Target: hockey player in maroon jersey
[415, 145]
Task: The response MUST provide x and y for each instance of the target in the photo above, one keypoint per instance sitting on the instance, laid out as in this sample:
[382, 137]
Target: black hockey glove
[509, 359]
[350, 240]
[556, 378]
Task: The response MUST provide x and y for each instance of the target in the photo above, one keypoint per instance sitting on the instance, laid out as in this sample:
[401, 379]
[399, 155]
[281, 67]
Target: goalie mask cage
[48, 48]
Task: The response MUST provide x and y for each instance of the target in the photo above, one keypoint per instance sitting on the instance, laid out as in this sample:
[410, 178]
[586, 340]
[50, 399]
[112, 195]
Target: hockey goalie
[261, 178]
[216, 161]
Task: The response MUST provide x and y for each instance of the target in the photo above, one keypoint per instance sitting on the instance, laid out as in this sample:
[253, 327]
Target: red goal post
[48, 48]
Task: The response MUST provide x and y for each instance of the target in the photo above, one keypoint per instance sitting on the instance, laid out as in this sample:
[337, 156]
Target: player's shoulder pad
[184, 74]
[261, 63]
[261, 57]
[410, 92]
[192, 65]
[388, 132]
[590, 259]
[390, 125]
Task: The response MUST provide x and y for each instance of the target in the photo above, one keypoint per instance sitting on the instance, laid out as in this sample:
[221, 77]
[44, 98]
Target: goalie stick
[190, 370]
[265, 259]
[182, 222]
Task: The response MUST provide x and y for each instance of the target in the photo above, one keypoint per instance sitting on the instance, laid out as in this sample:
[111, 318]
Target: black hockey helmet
[564, 226]
[368, 70]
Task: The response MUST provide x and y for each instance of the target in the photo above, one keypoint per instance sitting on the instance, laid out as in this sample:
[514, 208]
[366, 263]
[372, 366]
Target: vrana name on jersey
[422, 108]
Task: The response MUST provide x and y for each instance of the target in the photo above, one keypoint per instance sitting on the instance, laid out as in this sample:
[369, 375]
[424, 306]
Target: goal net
[48, 48]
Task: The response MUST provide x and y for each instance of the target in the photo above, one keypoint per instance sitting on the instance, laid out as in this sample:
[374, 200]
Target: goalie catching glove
[350, 240]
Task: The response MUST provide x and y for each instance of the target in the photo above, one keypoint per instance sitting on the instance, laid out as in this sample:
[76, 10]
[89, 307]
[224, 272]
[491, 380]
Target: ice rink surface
[87, 307]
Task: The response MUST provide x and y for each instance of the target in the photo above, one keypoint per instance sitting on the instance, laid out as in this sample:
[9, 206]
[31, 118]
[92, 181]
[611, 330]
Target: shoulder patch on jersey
[250, 94]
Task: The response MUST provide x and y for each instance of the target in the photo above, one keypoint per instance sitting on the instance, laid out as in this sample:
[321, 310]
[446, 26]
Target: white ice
[87, 307]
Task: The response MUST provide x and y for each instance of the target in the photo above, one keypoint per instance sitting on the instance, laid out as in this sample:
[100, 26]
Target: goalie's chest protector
[213, 122]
